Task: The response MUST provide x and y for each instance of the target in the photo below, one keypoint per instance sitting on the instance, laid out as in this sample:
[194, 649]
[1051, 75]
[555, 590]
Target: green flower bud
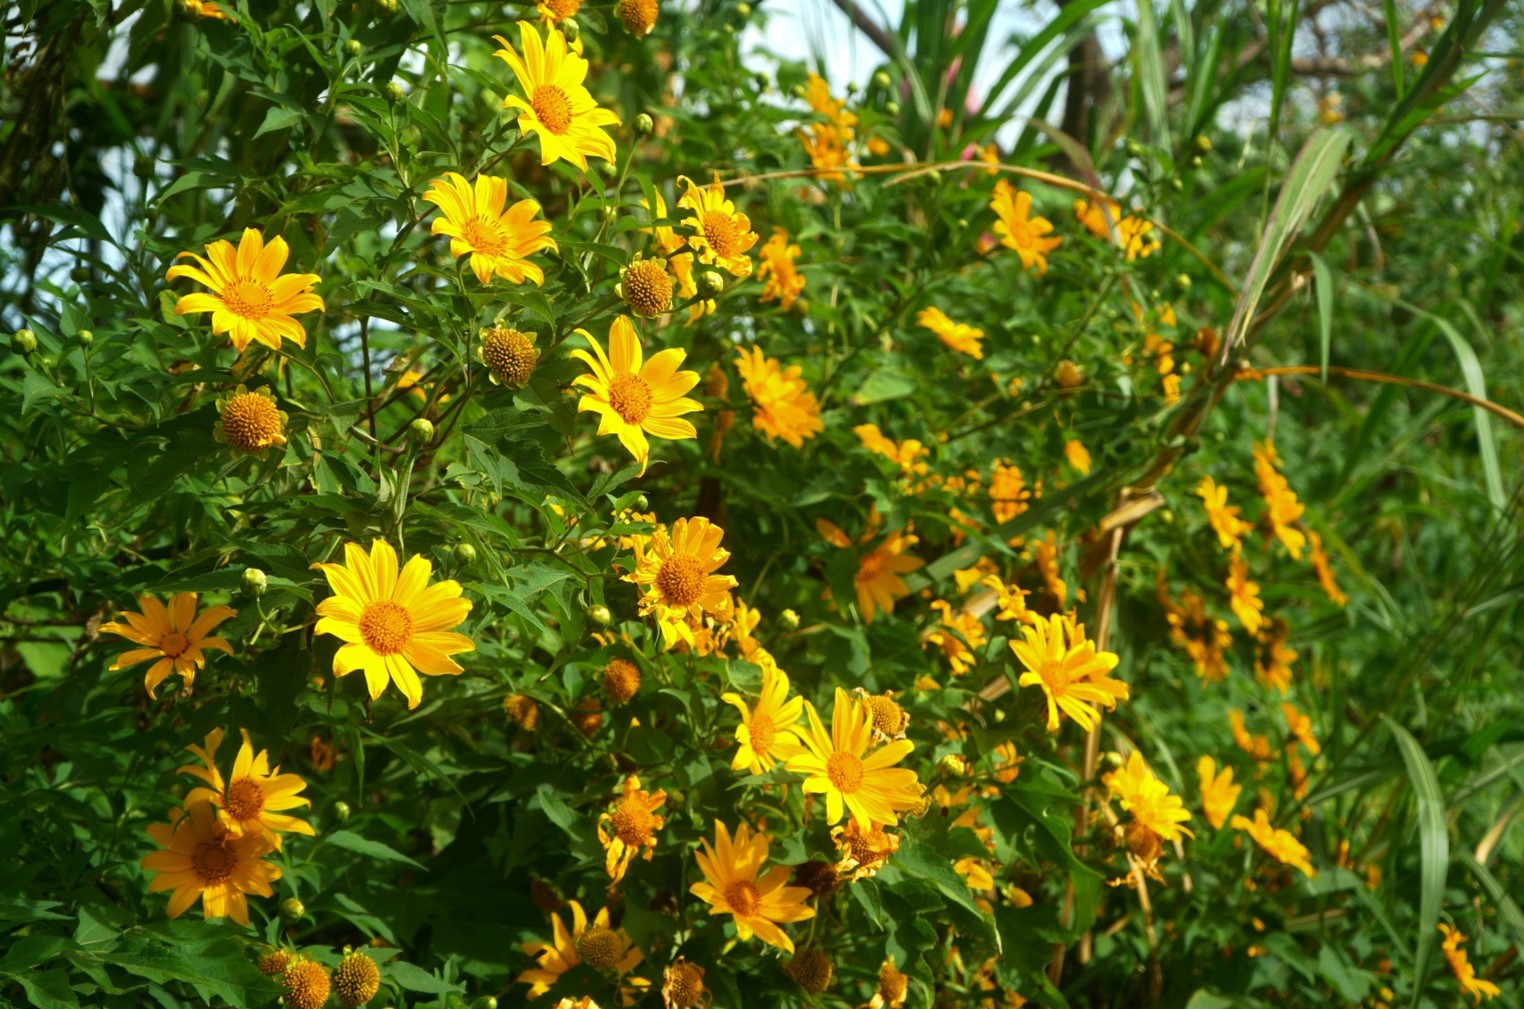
[599, 616]
[571, 29]
[743, 10]
[352, 47]
[254, 582]
[1183, 281]
[485, 1002]
[142, 167]
[714, 281]
[882, 80]
[893, 108]
[24, 341]
[81, 274]
[393, 92]
[1202, 145]
[386, 6]
[465, 553]
[1177, 184]
[1196, 162]
[421, 431]
[644, 124]
[1134, 149]
[47, 362]
[85, 337]
[642, 503]
[341, 811]
[788, 620]
[292, 910]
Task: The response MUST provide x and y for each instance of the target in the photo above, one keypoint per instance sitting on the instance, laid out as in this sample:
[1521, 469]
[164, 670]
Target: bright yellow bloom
[1282, 506]
[633, 399]
[1065, 664]
[878, 580]
[250, 422]
[499, 241]
[638, 16]
[680, 263]
[249, 798]
[1244, 595]
[907, 454]
[1148, 799]
[1222, 516]
[1010, 601]
[1009, 495]
[675, 572]
[828, 150]
[783, 406]
[732, 886]
[769, 732]
[817, 92]
[205, 9]
[722, 234]
[202, 857]
[176, 636]
[394, 626]
[958, 635]
[251, 300]
[1019, 231]
[954, 335]
[1218, 793]
[839, 766]
[1093, 214]
[1324, 570]
[559, 109]
[864, 850]
[1278, 843]
[1134, 235]
[781, 280]
[556, 11]
[592, 943]
[1256, 746]
[1078, 455]
[1008, 762]
[1300, 727]
[1465, 973]
[630, 826]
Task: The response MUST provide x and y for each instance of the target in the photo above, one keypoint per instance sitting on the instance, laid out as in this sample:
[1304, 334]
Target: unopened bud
[714, 281]
[85, 337]
[24, 341]
[893, 108]
[881, 80]
[1183, 281]
[386, 6]
[80, 274]
[254, 582]
[393, 92]
[292, 910]
[1134, 149]
[341, 811]
[644, 124]
[1202, 145]
[599, 615]
[952, 766]
[743, 10]
[421, 431]
[352, 47]
[642, 503]
[1177, 184]
[465, 553]
[788, 620]
[570, 29]
[485, 1002]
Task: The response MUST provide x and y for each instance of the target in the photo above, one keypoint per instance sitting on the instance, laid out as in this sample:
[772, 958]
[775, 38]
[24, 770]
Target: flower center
[600, 947]
[483, 235]
[845, 771]
[552, 108]
[245, 799]
[248, 298]
[742, 897]
[632, 823]
[870, 566]
[173, 644]
[386, 627]
[213, 862]
[681, 580]
[1021, 233]
[630, 397]
[1055, 677]
[762, 731]
[563, 9]
[721, 233]
[251, 422]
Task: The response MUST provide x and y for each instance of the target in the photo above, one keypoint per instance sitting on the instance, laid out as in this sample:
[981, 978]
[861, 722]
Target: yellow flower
[1148, 799]
[838, 765]
[176, 636]
[1324, 570]
[1093, 214]
[1465, 973]
[1008, 762]
[356, 979]
[252, 301]
[630, 826]
[1282, 506]
[878, 580]
[638, 16]
[767, 733]
[1300, 727]
[1010, 601]
[781, 281]
[646, 286]
[683, 986]
[958, 636]
[307, 983]
[732, 886]
[1277, 843]
[676, 574]
[205, 9]
[1078, 455]
[1255, 746]
[907, 454]
[560, 109]
[1019, 231]
[827, 147]
[1065, 664]
[817, 92]
[1244, 595]
[1133, 234]
[592, 943]
[1222, 516]
[722, 233]
[680, 263]
[1009, 495]
[202, 857]
[249, 798]
[1272, 666]
[510, 356]
[1331, 108]
[250, 421]
[1218, 793]
[394, 626]
[864, 849]
[499, 242]
[634, 399]
[556, 11]
[1045, 555]
[783, 406]
[954, 335]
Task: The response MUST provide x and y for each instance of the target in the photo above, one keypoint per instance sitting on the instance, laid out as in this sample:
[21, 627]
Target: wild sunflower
[630, 826]
[560, 109]
[954, 335]
[1461, 966]
[1075, 677]
[1148, 799]
[1280, 844]
[676, 575]
[203, 857]
[1282, 507]
[176, 636]
[634, 399]
[722, 234]
[499, 241]
[679, 256]
[878, 582]
[781, 279]
[1218, 793]
[1020, 231]
[864, 849]
[839, 765]
[959, 634]
[784, 406]
[394, 626]
[1243, 594]
[252, 301]
[593, 943]
[767, 733]
[732, 886]
[1222, 516]
[248, 799]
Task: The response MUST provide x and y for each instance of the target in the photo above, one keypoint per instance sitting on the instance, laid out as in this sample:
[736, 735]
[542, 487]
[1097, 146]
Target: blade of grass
[1394, 39]
[1151, 75]
[1325, 294]
[1434, 849]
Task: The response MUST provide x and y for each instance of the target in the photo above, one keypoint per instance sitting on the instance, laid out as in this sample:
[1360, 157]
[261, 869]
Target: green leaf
[1324, 288]
[350, 841]
[1434, 848]
[279, 119]
[883, 385]
[1508, 909]
[417, 979]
